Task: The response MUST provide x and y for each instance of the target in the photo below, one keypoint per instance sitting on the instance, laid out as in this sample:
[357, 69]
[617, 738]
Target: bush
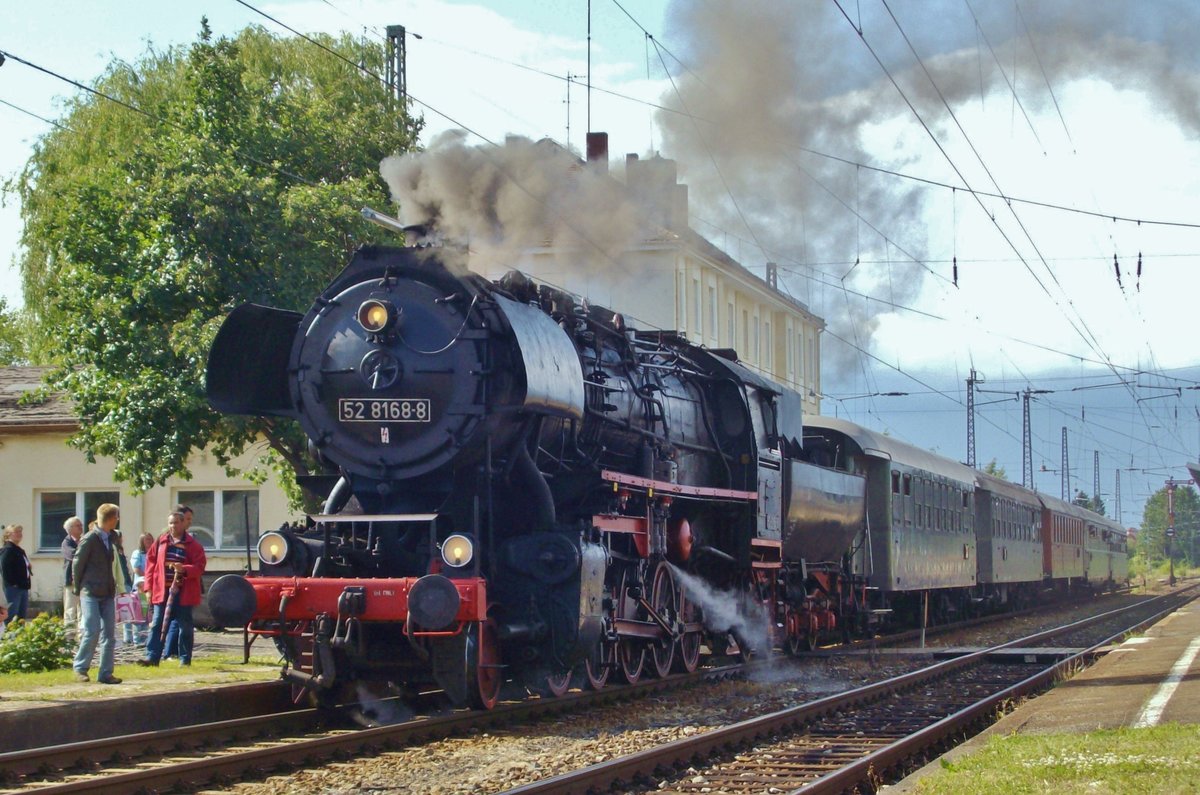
[37, 645]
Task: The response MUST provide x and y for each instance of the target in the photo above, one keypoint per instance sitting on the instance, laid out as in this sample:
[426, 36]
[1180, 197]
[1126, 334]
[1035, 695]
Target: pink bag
[129, 608]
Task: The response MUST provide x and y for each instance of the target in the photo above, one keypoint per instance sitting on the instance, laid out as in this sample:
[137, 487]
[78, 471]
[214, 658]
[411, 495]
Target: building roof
[53, 414]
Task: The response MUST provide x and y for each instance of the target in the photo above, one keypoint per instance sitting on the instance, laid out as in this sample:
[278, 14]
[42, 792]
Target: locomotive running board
[372, 517]
[676, 489]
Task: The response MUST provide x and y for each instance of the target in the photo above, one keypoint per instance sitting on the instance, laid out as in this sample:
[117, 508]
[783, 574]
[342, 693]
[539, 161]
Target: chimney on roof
[597, 151]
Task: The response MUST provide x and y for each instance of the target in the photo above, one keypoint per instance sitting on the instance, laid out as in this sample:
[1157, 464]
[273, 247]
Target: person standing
[74, 530]
[174, 566]
[171, 649]
[92, 575]
[16, 573]
[123, 575]
[138, 561]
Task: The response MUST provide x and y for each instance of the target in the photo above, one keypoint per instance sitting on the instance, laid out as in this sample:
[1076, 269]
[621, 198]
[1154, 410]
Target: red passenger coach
[1063, 528]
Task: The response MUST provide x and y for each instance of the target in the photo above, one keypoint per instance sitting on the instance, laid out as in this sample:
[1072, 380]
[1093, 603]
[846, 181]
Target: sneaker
[109, 680]
[147, 663]
[82, 677]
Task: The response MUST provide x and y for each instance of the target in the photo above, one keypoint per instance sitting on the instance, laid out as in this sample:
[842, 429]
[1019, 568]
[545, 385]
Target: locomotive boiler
[521, 483]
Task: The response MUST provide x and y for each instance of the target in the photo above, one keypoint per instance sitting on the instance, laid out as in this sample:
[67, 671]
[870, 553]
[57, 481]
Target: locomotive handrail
[676, 488]
[372, 517]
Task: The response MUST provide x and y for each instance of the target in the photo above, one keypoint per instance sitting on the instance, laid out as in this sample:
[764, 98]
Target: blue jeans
[99, 623]
[180, 633]
[18, 603]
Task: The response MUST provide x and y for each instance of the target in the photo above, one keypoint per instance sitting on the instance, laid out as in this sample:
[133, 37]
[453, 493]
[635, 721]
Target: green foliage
[1152, 539]
[995, 470]
[1093, 503]
[240, 182]
[37, 645]
[14, 344]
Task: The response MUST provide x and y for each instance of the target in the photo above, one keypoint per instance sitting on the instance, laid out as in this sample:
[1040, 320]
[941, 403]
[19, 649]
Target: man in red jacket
[173, 567]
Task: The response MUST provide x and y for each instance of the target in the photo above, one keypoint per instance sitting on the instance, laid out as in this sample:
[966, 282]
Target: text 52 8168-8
[384, 410]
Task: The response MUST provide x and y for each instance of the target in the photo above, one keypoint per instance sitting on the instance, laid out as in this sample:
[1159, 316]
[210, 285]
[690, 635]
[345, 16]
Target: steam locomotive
[526, 487]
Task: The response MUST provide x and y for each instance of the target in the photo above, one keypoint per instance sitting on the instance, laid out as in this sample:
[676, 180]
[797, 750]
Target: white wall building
[674, 279]
[45, 481]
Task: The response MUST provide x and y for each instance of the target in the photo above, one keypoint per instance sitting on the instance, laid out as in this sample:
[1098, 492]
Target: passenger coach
[920, 516]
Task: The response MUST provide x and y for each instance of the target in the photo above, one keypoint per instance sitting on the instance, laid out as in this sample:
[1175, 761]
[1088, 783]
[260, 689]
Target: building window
[680, 300]
[800, 357]
[810, 362]
[222, 518]
[732, 330]
[696, 323]
[791, 358]
[712, 311]
[55, 507]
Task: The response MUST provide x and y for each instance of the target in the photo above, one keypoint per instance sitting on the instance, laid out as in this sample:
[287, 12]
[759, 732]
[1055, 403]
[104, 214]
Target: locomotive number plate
[384, 410]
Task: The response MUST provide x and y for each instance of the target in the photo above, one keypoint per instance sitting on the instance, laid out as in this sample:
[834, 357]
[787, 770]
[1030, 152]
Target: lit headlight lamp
[273, 548]
[458, 551]
[376, 316]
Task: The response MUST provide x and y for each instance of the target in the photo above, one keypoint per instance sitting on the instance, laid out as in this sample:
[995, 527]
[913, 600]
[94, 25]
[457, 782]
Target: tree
[239, 178]
[995, 470]
[1152, 538]
[1093, 503]
[13, 335]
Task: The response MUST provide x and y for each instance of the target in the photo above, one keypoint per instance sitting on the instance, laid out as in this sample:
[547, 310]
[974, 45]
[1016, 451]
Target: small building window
[712, 311]
[222, 518]
[55, 507]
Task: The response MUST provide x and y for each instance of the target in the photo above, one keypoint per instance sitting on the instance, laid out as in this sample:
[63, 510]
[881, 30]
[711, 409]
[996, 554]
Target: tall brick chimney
[597, 151]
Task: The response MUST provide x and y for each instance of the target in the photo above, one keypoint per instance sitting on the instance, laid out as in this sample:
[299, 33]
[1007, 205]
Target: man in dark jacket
[92, 578]
[16, 573]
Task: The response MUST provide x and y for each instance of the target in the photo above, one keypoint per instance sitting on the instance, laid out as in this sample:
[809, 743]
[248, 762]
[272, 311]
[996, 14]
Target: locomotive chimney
[597, 151]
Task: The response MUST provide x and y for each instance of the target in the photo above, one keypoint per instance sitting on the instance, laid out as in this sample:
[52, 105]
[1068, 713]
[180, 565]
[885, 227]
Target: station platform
[1147, 680]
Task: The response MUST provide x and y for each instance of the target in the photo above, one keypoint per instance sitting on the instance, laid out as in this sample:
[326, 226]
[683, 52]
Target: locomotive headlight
[376, 316]
[272, 548]
[458, 550]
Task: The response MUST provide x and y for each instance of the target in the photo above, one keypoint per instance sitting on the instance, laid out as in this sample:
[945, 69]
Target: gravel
[488, 762]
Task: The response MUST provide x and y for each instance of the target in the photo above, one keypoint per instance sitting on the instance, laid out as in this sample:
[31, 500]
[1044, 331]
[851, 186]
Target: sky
[954, 188]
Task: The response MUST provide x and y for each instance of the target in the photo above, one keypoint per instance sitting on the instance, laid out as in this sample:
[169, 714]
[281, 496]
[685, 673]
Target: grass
[216, 669]
[1162, 760]
[1139, 568]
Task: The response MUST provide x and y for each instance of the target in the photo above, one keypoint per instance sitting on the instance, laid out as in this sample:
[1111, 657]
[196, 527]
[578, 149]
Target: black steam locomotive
[524, 484]
[526, 487]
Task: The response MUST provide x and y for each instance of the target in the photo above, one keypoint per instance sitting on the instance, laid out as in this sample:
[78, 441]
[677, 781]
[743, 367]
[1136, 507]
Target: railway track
[191, 757]
[854, 739]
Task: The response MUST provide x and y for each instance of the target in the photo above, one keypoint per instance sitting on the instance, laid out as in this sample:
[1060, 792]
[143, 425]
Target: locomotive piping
[629, 427]
[338, 497]
[527, 472]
